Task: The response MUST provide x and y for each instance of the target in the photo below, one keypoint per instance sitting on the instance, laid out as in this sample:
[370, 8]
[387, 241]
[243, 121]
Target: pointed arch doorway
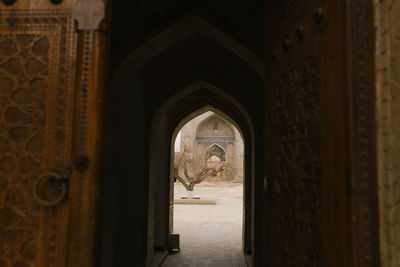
[172, 115]
[208, 163]
[161, 85]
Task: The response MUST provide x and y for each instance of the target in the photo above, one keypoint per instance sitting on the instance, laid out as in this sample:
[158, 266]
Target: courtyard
[210, 235]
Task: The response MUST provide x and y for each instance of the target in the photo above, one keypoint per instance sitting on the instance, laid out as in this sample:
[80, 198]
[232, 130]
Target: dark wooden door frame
[350, 233]
[362, 169]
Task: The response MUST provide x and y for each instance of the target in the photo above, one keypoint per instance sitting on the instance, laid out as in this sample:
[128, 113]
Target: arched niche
[215, 150]
[215, 132]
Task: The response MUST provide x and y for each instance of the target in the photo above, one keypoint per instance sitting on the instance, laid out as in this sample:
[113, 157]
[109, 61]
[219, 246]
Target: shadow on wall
[150, 75]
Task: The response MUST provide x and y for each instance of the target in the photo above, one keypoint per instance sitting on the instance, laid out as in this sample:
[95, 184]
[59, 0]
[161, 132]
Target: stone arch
[216, 150]
[136, 102]
[179, 109]
[210, 104]
[182, 30]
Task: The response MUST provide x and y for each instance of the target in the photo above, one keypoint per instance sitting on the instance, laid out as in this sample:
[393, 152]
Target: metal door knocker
[58, 180]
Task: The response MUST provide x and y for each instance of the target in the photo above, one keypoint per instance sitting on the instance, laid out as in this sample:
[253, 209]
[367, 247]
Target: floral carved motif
[297, 168]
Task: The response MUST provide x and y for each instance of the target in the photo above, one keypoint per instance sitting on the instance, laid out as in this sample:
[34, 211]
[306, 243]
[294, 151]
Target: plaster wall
[239, 156]
[188, 131]
[387, 58]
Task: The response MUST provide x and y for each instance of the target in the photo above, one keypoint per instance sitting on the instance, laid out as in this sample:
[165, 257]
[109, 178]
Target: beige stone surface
[195, 201]
[387, 59]
[210, 235]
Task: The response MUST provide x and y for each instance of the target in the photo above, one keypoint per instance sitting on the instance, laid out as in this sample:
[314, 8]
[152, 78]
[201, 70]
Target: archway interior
[152, 91]
[171, 117]
[208, 150]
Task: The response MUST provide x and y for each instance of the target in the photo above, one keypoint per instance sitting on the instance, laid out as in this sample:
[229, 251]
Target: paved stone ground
[210, 235]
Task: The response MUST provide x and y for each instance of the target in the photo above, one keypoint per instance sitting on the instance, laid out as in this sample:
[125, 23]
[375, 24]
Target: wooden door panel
[298, 163]
[300, 135]
[320, 137]
[37, 85]
[51, 104]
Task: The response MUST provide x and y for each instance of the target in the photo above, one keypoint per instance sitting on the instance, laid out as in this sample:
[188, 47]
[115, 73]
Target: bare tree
[184, 163]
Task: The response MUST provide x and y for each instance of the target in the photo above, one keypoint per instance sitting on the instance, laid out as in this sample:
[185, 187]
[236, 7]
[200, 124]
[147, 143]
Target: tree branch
[180, 179]
[183, 161]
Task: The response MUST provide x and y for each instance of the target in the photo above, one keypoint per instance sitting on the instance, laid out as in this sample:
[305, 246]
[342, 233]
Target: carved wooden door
[50, 103]
[320, 175]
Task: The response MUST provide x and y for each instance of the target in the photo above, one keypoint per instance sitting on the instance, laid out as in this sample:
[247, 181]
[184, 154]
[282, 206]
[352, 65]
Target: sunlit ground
[210, 235]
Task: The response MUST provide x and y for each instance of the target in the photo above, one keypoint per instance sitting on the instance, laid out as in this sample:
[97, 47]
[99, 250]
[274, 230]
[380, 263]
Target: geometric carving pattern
[35, 99]
[297, 166]
[23, 59]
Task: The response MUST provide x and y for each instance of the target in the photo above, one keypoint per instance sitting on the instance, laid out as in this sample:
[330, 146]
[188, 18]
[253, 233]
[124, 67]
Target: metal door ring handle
[55, 201]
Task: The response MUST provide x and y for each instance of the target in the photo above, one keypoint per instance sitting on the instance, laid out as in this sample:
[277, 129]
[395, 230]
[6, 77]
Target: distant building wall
[200, 134]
